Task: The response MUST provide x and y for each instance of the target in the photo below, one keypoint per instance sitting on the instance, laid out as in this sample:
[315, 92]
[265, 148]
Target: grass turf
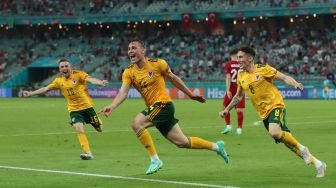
[34, 133]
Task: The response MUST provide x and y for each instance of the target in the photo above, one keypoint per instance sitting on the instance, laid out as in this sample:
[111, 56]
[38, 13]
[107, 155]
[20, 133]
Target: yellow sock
[289, 140]
[294, 150]
[146, 140]
[199, 143]
[84, 142]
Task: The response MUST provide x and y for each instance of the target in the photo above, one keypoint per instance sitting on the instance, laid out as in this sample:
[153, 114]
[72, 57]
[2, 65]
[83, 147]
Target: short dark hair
[62, 60]
[138, 41]
[248, 50]
[234, 51]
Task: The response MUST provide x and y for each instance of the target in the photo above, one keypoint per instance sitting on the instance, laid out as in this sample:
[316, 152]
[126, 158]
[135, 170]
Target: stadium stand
[302, 50]
[85, 7]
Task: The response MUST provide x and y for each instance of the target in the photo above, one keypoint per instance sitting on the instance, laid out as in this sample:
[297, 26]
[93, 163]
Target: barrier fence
[207, 92]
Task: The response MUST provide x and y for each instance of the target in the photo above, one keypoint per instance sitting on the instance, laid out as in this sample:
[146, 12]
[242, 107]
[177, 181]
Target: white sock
[215, 147]
[302, 147]
[154, 157]
[228, 126]
[317, 163]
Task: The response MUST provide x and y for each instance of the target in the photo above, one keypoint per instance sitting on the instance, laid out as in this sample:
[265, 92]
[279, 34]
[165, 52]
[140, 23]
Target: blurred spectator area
[86, 7]
[304, 51]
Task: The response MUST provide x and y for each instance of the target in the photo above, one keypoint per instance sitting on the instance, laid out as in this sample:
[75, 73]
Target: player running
[257, 81]
[72, 83]
[148, 77]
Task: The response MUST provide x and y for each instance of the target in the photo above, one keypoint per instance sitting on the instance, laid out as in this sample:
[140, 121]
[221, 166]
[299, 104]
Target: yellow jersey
[260, 89]
[74, 90]
[149, 80]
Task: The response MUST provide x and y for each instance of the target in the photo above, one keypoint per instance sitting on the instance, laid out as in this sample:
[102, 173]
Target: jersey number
[277, 112]
[70, 92]
[251, 89]
[234, 75]
[94, 119]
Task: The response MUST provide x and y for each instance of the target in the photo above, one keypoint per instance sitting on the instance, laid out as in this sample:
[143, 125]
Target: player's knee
[136, 125]
[275, 134]
[182, 144]
[79, 128]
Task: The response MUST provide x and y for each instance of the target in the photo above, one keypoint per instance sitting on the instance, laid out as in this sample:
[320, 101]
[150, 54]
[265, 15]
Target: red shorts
[227, 101]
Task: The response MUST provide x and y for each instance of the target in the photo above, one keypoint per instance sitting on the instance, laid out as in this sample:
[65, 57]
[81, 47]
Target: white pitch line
[118, 177]
[129, 130]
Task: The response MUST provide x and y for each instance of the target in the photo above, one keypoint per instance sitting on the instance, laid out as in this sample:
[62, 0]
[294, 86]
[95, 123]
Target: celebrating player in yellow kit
[148, 77]
[257, 81]
[72, 83]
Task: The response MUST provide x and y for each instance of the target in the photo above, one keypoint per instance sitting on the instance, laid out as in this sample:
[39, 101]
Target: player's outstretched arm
[122, 95]
[36, 92]
[177, 82]
[235, 100]
[97, 81]
[290, 81]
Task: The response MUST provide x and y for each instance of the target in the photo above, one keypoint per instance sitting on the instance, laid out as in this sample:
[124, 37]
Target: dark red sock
[227, 119]
[240, 116]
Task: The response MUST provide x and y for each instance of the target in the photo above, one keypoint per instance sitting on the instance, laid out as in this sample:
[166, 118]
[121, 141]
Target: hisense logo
[215, 93]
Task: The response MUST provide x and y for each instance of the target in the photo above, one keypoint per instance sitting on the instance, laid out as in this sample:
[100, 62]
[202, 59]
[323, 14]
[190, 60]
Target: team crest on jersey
[257, 76]
[150, 74]
[74, 81]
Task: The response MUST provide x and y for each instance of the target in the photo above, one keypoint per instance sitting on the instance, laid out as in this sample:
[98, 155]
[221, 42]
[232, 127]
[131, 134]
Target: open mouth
[132, 56]
[65, 73]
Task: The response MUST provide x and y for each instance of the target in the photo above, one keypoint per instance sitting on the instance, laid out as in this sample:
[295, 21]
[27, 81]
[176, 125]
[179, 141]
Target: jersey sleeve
[83, 76]
[164, 67]
[126, 77]
[53, 85]
[227, 68]
[270, 72]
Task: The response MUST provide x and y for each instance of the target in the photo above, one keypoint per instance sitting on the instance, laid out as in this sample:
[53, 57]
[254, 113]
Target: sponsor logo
[235, 66]
[291, 93]
[215, 93]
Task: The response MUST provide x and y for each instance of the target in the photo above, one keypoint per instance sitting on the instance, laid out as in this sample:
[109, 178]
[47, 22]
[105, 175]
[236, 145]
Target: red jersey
[232, 68]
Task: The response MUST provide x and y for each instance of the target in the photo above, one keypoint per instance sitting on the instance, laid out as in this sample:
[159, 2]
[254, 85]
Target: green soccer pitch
[40, 149]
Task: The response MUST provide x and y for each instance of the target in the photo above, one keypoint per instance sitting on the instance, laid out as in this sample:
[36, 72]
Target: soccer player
[257, 81]
[231, 72]
[148, 77]
[72, 83]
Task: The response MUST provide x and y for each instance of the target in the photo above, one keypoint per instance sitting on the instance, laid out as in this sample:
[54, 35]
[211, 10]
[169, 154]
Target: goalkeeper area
[40, 149]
